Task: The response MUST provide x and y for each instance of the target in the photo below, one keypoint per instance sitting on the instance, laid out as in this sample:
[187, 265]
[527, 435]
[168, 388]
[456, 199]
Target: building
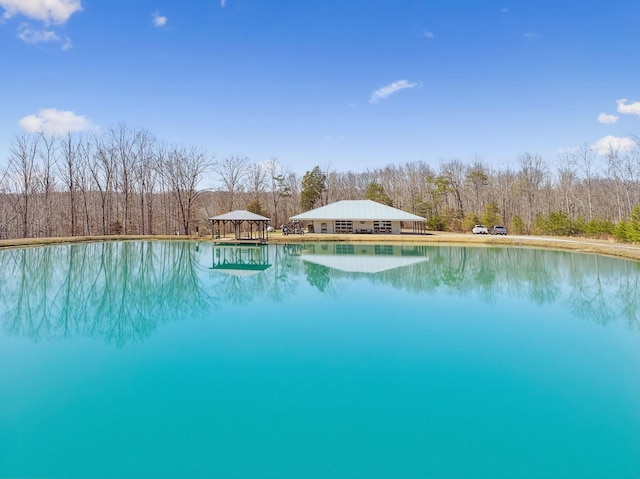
[360, 216]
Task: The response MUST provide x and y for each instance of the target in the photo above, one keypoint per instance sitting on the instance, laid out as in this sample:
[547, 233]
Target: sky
[349, 85]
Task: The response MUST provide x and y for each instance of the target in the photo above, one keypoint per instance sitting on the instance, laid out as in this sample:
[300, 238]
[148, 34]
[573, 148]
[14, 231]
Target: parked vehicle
[499, 230]
[293, 228]
[480, 230]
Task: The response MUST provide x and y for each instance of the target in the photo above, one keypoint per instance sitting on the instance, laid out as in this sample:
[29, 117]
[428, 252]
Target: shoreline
[578, 245]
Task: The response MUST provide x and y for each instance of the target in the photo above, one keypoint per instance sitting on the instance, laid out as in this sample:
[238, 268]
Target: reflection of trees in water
[594, 287]
[277, 282]
[605, 289]
[287, 267]
[317, 275]
[116, 291]
[121, 292]
[629, 287]
[585, 298]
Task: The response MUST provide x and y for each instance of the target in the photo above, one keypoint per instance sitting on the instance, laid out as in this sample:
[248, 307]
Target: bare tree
[122, 143]
[144, 177]
[232, 172]
[454, 173]
[23, 171]
[102, 169]
[477, 179]
[567, 181]
[68, 169]
[48, 160]
[584, 159]
[530, 180]
[280, 188]
[183, 170]
[625, 172]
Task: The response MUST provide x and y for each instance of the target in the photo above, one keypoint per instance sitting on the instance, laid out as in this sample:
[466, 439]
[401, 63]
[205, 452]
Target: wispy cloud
[223, 3]
[47, 11]
[31, 35]
[608, 119]
[56, 122]
[428, 34]
[604, 145]
[158, 20]
[390, 89]
[628, 108]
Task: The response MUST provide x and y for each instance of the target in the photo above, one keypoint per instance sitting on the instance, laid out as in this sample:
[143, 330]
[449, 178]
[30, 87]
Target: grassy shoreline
[581, 245]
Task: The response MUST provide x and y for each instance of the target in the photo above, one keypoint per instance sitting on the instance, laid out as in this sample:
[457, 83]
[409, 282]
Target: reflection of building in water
[364, 258]
[240, 260]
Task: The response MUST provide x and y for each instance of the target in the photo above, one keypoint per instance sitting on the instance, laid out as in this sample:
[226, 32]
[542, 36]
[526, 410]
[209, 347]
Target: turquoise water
[152, 359]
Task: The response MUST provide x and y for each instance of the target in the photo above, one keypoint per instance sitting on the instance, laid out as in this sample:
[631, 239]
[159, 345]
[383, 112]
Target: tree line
[126, 181]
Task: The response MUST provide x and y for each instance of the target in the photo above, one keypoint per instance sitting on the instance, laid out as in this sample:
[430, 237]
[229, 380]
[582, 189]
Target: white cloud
[56, 122]
[429, 35]
[603, 145]
[608, 119]
[394, 87]
[628, 108]
[31, 36]
[223, 3]
[47, 11]
[159, 20]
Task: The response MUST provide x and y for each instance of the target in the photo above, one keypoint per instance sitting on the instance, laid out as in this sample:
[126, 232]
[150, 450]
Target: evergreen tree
[375, 192]
[314, 183]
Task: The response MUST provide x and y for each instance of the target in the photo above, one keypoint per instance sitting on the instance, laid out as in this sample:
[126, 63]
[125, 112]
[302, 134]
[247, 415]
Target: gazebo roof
[239, 215]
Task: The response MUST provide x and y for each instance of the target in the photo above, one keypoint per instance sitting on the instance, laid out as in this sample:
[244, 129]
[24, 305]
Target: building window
[344, 226]
[345, 249]
[382, 226]
[385, 250]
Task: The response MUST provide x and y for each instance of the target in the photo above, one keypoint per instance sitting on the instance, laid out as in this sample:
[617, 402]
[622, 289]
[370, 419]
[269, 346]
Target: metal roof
[357, 210]
[239, 215]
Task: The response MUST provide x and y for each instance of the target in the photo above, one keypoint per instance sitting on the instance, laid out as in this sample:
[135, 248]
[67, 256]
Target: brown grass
[582, 245]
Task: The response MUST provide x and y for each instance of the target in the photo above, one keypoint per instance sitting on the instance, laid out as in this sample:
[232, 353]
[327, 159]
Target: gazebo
[246, 226]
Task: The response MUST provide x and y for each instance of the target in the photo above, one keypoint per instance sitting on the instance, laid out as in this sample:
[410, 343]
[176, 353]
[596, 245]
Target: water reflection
[121, 292]
[116, 291]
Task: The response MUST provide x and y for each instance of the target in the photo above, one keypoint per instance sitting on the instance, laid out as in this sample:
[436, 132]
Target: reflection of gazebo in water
[240, 260]
[246, 226]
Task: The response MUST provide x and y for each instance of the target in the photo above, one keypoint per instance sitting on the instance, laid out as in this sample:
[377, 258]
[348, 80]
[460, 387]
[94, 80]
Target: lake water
[181, 360]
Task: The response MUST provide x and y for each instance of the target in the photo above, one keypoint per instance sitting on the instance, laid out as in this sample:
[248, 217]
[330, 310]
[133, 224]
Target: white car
[480, 230]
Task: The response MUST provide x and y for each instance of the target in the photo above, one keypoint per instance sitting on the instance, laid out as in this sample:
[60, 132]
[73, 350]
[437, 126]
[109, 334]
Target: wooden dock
[240, 241]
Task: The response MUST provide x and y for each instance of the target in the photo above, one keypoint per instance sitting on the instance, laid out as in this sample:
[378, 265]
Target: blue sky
[349, 84]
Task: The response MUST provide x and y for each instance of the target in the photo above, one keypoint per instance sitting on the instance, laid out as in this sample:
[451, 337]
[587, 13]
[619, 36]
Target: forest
[124, 181]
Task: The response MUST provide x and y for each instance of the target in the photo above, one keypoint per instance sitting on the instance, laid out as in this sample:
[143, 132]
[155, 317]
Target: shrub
[469, 221]
[517, 225]
[437, 223]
